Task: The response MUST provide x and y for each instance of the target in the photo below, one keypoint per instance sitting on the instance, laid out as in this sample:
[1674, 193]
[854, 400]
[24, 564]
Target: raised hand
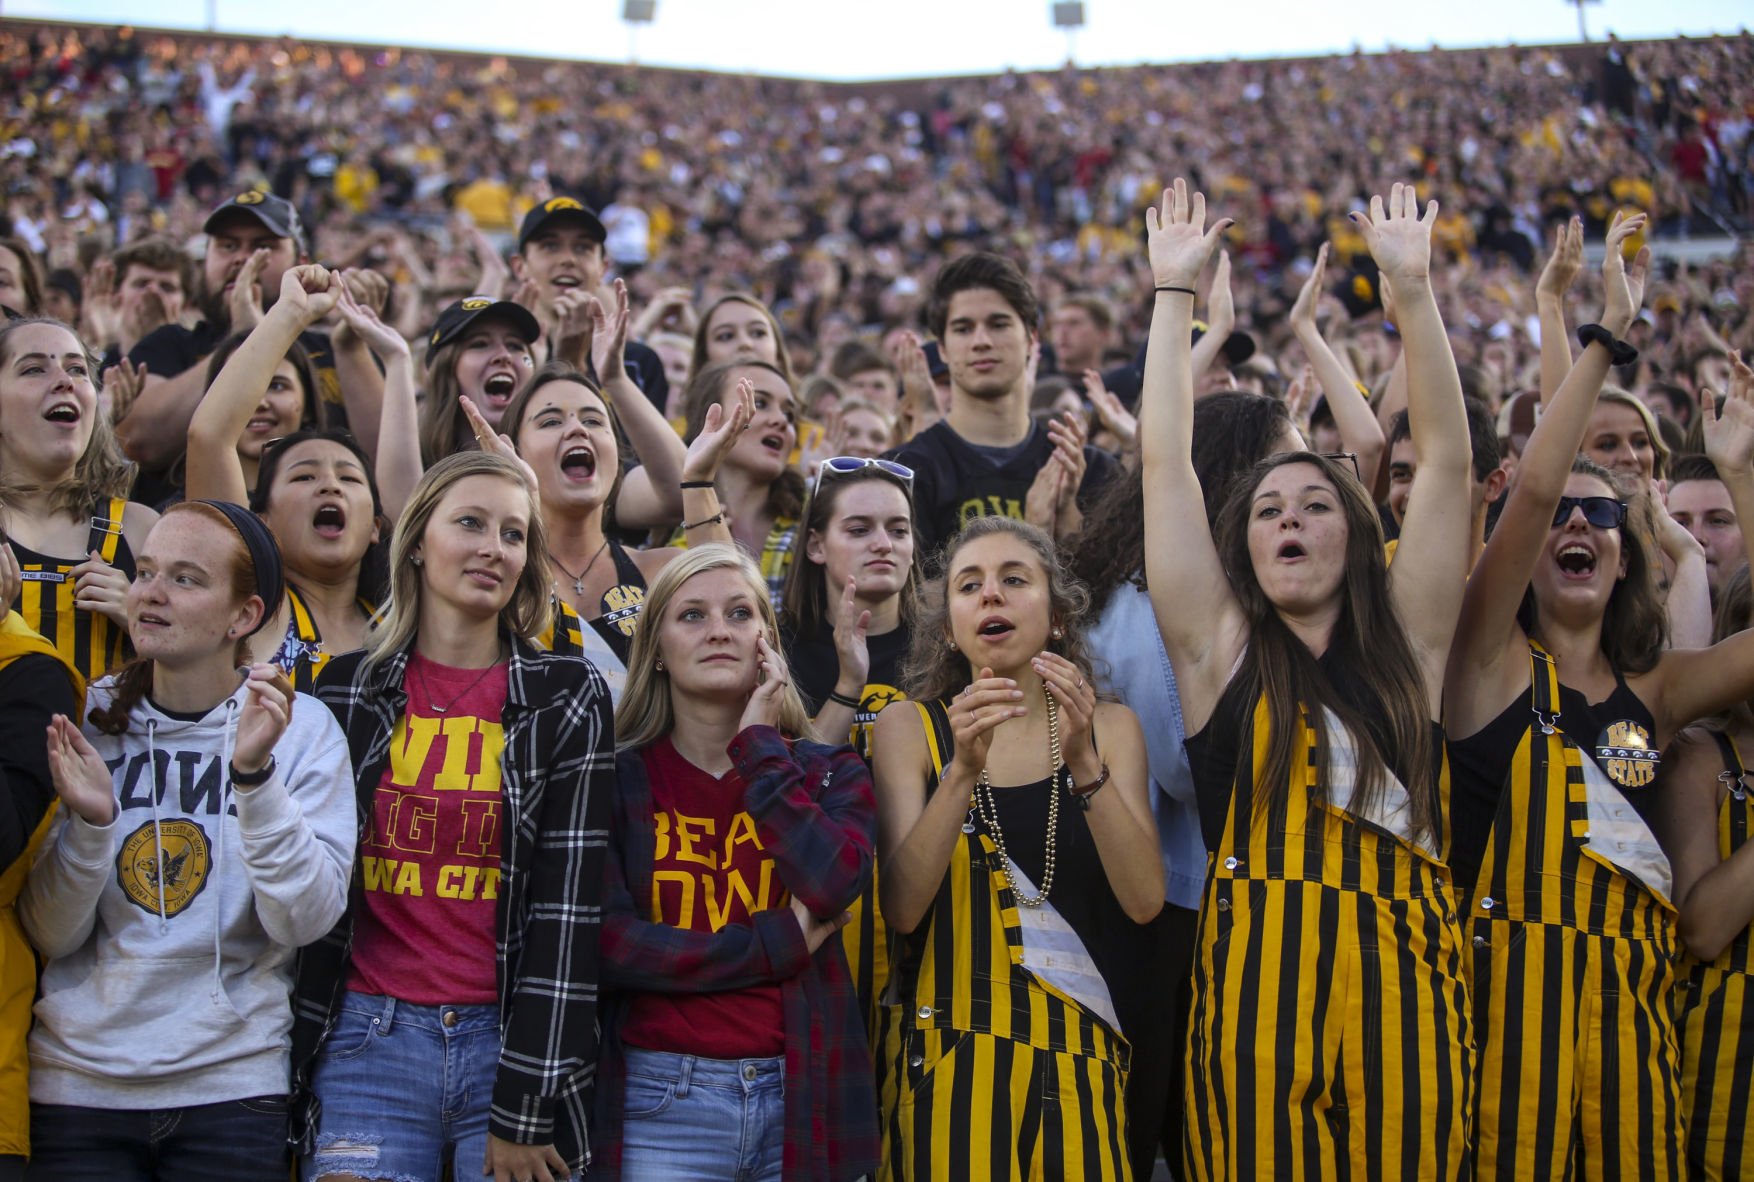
[494, 443]
[11, 578]
[575, 317]
[82, 780]
[1075, 698]
[1566, 261]
[763, 708]
[363, 321]
[266, 713]
[1309, 297]
[245, 301]
[919, 398]
[1621, 302]
[987, 702]
[309, 292]
[718, 434]
[851, 626]
[1728, 422]
[120, 385]
[609, 336]
[102, 310]
[1115, 418]
[1177, 238]
[1398, 237]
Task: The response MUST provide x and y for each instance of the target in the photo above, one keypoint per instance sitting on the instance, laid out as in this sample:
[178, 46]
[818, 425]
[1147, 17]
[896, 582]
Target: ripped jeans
[404, 1087]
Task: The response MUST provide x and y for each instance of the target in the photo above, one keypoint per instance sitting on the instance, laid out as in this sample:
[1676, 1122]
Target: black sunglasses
[1350, 457]
[1601, 512]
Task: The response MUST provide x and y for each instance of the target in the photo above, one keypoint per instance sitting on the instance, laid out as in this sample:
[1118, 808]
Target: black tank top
[1618, 732]
[1081, 893]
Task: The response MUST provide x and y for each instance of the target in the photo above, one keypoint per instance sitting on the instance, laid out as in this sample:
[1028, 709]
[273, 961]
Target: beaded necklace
[989, 813]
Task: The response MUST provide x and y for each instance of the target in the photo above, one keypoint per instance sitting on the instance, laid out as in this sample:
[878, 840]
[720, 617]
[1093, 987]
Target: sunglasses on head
[847, 465]
[1350, 457]
[1601, 512]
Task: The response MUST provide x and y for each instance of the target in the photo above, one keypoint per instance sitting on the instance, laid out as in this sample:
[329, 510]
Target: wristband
[251, 779]
[1163, 287]
[1083, 795]
[1619, 352]
[700, 484]
[716, 517]
[847, 700]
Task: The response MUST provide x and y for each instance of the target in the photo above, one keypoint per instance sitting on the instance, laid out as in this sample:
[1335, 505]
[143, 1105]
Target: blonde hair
[528, 613]
[1659, 447]
[646, 712]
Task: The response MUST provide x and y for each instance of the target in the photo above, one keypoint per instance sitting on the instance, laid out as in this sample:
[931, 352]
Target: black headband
[264, 557]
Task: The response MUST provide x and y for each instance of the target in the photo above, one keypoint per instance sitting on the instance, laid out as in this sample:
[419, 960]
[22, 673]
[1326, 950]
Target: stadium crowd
[550, 589]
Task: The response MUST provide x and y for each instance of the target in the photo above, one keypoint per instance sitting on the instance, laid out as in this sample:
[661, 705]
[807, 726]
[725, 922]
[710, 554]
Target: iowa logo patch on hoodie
[178, 863]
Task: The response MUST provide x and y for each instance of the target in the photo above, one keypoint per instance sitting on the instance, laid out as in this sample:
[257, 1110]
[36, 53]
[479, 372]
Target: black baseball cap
[557, 209]
[278, 214]
[1238, 346]
[466, 311]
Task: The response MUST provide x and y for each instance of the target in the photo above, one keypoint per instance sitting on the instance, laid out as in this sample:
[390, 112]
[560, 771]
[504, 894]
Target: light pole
[637, 13]
[1070, 17]
[1583, 32]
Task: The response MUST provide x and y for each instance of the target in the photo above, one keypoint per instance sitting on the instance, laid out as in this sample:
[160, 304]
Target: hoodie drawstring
[164, 923]
[231, 722]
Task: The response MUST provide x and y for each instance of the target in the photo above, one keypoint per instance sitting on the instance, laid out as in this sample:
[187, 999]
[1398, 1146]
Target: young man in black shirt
[560, 250]
[989, 457]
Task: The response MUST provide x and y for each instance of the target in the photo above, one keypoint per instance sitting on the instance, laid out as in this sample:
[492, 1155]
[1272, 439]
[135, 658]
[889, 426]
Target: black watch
[1619, 352]
[252, 779]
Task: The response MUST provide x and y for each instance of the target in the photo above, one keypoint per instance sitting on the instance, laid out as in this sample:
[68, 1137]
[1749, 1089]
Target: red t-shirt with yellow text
[709, 870]
[425, 933]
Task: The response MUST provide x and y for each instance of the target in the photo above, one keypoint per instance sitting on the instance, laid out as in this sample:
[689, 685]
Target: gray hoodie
[169, 934]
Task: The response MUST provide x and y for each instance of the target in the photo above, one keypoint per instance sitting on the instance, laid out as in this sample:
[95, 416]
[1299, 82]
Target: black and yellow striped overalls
[1717, 1018]
[91, 642]
[1330, 1030]
[865, 936]
[1574, 975]
[986, 1071]
[303, 655]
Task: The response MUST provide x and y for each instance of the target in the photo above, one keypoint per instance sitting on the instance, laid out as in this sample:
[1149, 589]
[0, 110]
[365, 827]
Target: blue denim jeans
[403, 1088]
[232, 1141]
[703, 1120]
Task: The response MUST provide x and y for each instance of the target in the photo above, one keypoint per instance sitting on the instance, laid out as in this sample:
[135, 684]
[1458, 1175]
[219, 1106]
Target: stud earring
[415, 560]
[1058, 634]
[660, 664]
[950, 644]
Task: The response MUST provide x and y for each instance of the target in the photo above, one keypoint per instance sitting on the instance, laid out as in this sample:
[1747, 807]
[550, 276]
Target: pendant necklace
[578, 580]
[426, 688]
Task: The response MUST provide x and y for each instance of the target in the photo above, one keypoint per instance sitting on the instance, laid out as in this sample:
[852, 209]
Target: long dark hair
[1635, 625]
[1369, 642]
[933, 670]
[1232, 432]
[804, 603]
[301, 364]
[374, 565]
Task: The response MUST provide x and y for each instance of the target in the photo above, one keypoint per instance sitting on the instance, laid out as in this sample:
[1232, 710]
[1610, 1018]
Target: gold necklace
[989, 813]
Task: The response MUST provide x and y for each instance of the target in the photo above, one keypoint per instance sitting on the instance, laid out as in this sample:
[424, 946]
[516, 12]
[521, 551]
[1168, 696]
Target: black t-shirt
[816, 667]
[954, 482]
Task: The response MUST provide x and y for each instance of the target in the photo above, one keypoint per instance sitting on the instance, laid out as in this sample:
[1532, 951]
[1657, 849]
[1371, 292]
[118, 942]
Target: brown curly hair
[934, 671]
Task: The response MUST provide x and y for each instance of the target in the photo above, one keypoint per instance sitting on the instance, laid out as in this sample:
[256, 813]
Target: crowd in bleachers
[541, 595]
